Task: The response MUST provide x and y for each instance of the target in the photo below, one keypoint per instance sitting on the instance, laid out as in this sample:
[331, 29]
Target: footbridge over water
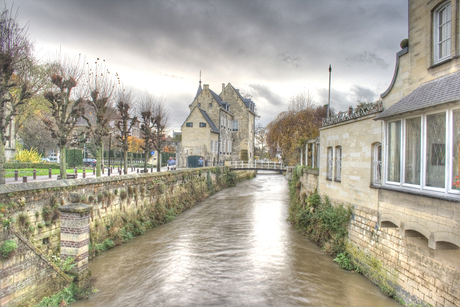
[260, 166]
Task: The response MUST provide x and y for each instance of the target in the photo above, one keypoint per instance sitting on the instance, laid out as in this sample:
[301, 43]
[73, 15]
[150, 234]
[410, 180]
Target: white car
[53, 159]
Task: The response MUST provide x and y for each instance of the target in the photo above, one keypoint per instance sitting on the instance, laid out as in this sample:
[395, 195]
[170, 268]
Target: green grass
[43, 172]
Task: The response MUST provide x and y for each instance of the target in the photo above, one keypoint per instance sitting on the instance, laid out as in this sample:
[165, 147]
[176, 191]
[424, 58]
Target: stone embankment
[122, 207]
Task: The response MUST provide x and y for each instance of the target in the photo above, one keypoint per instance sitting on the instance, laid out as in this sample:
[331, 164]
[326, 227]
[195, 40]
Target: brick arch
[412, 229]
[389, 220]
[440, 237]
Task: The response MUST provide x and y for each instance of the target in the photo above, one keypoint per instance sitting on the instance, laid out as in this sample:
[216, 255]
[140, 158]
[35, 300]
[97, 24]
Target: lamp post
[110, 144]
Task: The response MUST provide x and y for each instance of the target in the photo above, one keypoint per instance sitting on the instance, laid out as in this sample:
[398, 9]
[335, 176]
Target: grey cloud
[341, 100]
[368, 57]
[295, 61]
[264, 92]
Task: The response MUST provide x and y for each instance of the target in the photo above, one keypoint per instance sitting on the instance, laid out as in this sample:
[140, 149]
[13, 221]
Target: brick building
[219, 128]
[396, 162]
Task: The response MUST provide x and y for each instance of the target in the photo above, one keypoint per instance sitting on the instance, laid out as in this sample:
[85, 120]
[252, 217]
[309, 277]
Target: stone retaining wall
[123, 206]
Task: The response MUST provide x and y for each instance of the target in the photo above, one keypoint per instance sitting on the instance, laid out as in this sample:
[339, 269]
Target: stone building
[219, 128]
[396, 162]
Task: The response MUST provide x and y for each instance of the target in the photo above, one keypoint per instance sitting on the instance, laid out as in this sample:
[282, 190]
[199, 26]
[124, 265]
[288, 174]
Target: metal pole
[329, 95]
[110, 144]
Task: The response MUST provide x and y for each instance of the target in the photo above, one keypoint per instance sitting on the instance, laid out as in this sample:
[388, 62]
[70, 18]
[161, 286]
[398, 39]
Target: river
[233, 249]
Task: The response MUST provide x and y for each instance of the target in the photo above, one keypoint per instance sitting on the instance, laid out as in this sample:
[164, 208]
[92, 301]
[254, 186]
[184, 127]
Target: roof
[432, 93]
[199, 90]
[217, 98]
[248, 102]
[210, 122]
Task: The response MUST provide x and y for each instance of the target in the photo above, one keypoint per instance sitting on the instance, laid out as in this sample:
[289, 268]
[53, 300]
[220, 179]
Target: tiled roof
[432, 93]
[217, 98]
[199, 90]
[210, 122]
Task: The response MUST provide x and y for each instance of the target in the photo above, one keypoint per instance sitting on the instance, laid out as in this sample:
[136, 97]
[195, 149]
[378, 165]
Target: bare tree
[65, 104]
[301, 101]
[15, 52]
[260, 139]
[155, 119]
[124, 124]
[102, 87]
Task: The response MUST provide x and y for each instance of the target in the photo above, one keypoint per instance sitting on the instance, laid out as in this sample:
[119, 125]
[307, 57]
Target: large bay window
[423, 152]
[442, 32]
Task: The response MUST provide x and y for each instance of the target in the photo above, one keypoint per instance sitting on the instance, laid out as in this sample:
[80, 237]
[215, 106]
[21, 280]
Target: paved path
[89, 174]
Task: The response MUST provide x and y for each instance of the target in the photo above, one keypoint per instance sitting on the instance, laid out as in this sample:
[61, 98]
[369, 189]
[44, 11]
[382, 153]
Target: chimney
[223, 86]
[206, 86]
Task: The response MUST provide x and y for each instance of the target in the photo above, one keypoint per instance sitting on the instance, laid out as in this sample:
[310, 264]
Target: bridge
[260, 166]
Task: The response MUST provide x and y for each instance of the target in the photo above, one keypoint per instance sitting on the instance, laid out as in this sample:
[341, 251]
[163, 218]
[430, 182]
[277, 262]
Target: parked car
[90, 162]
[53, 159]
[45, 160]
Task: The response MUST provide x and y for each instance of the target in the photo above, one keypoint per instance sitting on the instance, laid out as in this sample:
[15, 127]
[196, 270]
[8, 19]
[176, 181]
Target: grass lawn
[29, 172]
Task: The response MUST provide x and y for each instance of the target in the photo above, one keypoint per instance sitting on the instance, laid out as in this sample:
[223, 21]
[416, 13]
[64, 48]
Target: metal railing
[257, 165]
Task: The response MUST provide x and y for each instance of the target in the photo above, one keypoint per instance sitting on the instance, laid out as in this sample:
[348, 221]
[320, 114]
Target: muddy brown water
[233, 249]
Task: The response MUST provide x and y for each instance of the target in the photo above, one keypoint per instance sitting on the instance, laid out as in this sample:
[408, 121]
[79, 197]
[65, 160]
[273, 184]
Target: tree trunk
[125, 162]
[99, 158]
[62, 162]
[146, 161]
[2, 163]
[159, 162]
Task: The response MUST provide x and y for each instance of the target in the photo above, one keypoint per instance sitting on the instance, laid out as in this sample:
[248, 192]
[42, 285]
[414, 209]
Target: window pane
[394, 150]
[436, 150]
[456, 151]
[413, 144]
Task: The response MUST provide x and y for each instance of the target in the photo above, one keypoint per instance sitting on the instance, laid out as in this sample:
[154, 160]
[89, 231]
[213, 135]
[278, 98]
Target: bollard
[50, 173]
[84, 172]
[108, 172]
[35, 174]
[24, 179]
[94, 171]
[76, 170]
[16, 175]
[119, 171]
[138, 171]
[102, 168]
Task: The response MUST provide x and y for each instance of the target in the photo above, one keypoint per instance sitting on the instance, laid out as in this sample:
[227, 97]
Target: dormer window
[442, 32]
[199, 105]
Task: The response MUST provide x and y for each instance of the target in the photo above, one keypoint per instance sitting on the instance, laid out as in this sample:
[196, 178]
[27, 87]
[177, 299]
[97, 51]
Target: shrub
[343, 259]
[8, 247]
[25, 155]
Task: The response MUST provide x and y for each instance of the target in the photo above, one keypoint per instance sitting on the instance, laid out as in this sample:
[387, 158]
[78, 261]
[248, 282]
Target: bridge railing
[257, 165]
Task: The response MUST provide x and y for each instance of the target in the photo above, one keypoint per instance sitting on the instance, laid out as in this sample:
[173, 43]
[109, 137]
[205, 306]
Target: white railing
[257, 164]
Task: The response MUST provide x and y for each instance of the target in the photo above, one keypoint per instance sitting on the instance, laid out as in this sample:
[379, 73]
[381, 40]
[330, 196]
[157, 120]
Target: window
[442, 32]
[210, 105]
[377, 164]
[423, 152]
[190, 124]
[235, 125]
[199, 105]
[338, 163]
[202, 125]
[330, 162]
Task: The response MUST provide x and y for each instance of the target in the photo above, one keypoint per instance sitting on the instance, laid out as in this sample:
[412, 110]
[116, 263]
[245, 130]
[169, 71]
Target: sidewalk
[89, 174]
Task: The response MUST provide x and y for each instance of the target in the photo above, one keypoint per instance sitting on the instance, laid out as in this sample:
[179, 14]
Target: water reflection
[234, 249]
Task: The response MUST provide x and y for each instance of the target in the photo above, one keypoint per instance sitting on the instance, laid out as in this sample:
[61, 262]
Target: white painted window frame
[376, 163]
[423, 153]
[338, 163]
[444, 11]
[330, 163]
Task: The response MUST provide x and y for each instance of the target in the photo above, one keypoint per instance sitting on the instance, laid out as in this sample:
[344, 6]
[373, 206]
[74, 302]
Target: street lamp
[110, 144]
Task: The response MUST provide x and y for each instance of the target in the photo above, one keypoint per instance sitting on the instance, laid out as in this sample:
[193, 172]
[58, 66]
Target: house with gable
[396, 162]
[219, 128]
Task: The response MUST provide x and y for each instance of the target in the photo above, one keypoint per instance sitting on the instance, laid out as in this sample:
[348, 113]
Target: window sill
[425, 193]
[337, 180]
[329, 179]
[440, 63]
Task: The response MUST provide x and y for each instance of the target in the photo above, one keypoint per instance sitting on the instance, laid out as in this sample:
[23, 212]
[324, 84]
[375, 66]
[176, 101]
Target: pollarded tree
[155, 119]
[15, 53]
[101, 85]
[260, 139]
[66, 107]
[124, 124]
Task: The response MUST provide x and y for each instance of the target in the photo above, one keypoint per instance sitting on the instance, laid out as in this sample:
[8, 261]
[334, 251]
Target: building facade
[219, 128]
[396, 162]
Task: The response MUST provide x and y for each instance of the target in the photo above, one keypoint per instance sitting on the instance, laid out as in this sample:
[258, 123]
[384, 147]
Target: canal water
[234, 249]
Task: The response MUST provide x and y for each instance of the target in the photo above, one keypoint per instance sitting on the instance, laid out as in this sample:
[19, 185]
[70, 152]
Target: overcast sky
[271, 50]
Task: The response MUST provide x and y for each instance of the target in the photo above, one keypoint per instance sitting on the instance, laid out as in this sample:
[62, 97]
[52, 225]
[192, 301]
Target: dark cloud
[368, 57]
[270, 42]
[341, 100]
[264, 92]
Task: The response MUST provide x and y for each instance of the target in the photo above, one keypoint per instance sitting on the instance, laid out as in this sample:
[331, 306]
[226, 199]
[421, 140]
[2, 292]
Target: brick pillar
[75, 218]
